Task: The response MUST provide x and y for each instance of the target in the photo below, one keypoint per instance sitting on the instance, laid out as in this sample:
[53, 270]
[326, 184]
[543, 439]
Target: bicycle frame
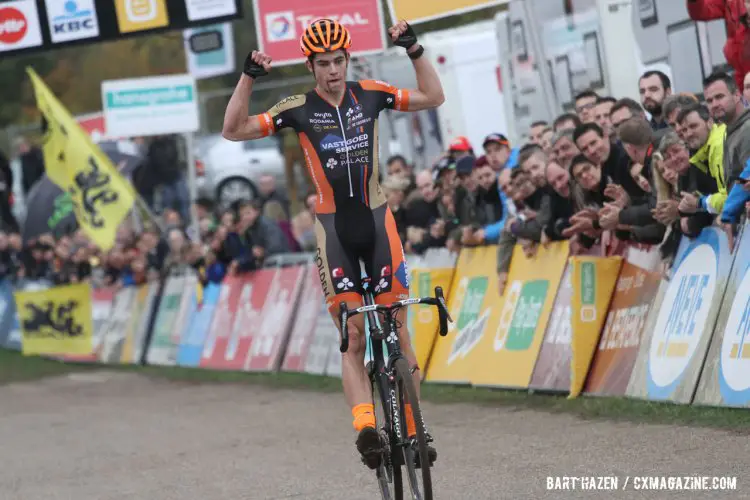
[381, 370]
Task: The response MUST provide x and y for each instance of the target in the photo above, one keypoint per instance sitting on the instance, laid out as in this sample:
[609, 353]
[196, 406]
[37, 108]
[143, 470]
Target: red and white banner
[305, 322]
[281, 23]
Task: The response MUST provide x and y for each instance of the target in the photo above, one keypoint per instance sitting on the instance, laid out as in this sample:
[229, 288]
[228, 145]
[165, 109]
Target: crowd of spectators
[230, 241]
[611, 171]
[615, 171]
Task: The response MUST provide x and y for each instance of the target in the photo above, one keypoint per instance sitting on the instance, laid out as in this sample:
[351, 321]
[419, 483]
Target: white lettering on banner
[72, 20]
[560, 326]
[345, 19]
[623, 327]
[469, 336]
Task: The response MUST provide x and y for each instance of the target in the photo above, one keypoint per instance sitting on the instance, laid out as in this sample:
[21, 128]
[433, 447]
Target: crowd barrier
[600, 326]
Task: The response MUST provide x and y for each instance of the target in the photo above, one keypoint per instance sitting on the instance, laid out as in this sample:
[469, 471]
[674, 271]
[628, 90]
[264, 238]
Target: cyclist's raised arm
[429, 91]
[238, 125]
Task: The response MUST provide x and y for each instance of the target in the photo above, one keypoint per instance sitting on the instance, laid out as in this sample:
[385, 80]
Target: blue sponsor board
[196, 329]
[686, 318]
[10, 335]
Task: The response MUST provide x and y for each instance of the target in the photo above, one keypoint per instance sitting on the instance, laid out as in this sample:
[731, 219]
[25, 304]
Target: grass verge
[16, 368]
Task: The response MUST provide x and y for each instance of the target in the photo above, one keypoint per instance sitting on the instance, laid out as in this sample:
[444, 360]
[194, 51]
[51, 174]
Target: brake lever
[443, 314]
[343, 319]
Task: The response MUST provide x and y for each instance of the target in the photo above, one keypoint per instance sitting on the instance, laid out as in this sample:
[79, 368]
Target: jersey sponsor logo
[293, 101]
[338, 145]
[323, 116]
[338, 273]
[331, 163]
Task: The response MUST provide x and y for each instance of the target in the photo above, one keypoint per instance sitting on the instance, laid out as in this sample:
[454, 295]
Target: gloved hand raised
[257, 64]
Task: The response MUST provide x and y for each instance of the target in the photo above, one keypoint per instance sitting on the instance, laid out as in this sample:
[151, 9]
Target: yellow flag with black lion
[102, 198]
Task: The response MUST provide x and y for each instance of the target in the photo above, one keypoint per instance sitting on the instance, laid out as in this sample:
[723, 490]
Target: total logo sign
[682, 319]
[284, 26]
[72, 20]
[19, 25]
[734, 367]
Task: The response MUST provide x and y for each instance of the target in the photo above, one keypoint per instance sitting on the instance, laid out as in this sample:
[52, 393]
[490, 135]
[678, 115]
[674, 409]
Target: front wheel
[420, 480]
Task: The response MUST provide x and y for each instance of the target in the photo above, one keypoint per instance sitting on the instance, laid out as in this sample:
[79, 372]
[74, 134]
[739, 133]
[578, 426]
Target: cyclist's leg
[391, 278]
[340, 278]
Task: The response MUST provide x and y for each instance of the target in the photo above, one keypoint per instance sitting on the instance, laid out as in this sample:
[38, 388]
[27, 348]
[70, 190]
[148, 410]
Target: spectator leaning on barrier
[423, 216]
[706, 141]
[690, 180]
[654, 87]
[560, 203]
[489, 209]
[498, 152]
[303, 224]
[724, 101]
[631, 211]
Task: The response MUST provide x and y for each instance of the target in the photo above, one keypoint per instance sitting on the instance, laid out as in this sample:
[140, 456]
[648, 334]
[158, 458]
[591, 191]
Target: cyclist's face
[330, 70]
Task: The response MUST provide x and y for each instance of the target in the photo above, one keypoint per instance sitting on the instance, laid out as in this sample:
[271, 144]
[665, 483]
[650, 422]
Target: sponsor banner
[279, 306]
[8, 318]
[678, 332]
[725, 380]
[334, 363]
[422, 320]
[255, 287]
[56, 321]
[305, 321]
[506, 354]
[71, 20]
[102, 301]
[198, 10]
[620, 341]
[325, 333]
[420, 12]
[552, 370]
[198, 325]
[280, 24]
[133, 15]
[215, 347]
[19, 25]
[148, 106]
[123, 308]
[593, 280]
[473, 295]
[162, 348]
[209, 50]
[137, 327]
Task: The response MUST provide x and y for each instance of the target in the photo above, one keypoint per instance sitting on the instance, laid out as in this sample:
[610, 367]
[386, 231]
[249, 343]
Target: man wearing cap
[499, 153]
[458, 205]
[460, 147]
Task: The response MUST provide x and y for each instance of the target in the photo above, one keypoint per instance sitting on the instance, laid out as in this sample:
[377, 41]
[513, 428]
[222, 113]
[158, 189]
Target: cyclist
[337, 125]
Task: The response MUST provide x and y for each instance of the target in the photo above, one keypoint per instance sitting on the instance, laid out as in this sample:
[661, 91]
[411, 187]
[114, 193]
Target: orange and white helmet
[324, 35]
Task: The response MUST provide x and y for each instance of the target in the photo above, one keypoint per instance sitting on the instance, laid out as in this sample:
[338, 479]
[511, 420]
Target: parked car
[228, 171]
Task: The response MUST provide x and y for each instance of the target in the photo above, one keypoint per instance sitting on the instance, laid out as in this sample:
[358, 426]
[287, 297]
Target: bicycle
[392, 378]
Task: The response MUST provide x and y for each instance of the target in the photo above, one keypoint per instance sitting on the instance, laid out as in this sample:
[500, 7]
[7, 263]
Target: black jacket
[32, 168]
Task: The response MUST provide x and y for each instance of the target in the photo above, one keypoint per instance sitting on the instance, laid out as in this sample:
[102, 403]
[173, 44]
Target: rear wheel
[420, 480]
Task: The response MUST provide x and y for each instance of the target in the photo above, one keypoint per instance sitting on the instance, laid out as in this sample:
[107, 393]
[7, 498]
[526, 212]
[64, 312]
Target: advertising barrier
[593, 281]
[614, 325]
[616, 353]
[678, 330]
[508, 349]
[725, 380]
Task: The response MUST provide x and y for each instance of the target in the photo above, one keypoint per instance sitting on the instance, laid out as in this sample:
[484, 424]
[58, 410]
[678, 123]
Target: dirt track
[122, 436]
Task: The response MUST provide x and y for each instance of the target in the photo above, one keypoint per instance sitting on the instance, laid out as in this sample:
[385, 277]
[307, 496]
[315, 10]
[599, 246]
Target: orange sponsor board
[621, 338]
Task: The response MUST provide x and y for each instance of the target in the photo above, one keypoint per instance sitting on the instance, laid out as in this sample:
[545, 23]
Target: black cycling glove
[407, 39]
[252, 68]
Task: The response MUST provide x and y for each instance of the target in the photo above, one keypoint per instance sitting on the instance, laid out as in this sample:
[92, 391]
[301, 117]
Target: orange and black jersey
[340, 143]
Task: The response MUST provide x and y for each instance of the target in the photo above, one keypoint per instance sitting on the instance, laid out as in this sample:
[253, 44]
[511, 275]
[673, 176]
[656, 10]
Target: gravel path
[107, 436]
